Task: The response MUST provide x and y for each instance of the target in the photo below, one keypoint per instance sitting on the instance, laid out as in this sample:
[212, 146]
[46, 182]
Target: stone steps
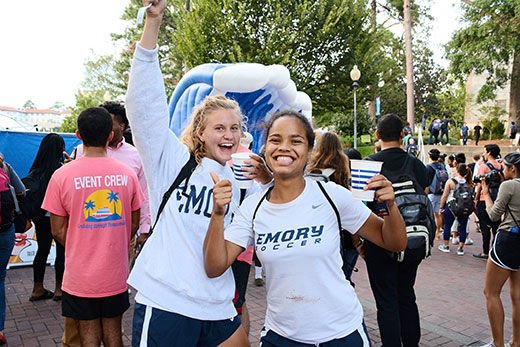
[470, 150]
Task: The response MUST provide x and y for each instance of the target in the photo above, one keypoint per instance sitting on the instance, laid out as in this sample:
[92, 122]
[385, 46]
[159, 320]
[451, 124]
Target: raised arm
[160, 150]
[388, 232]
[153, 22]
[219, 254]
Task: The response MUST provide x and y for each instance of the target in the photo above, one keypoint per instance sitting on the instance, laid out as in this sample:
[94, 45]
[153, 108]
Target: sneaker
[259, 282]
[455, 240]
[3, 340]
[480, 256]
[460, 251]
[445, 249]
[468, 241]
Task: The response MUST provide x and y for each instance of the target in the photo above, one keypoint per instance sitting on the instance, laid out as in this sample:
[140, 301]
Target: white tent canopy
[10, 124]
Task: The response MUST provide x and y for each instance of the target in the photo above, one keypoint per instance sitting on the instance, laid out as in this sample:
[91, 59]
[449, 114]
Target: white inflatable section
[274, 79]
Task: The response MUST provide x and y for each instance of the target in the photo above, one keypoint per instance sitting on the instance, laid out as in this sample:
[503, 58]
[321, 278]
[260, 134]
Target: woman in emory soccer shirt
[176, 303]
[295, 233]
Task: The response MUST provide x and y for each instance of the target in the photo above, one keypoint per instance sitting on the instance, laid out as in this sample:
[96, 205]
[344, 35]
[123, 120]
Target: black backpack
[417, 212]
[35, 188]
[496, 177]
[412, 150]
[463, 202]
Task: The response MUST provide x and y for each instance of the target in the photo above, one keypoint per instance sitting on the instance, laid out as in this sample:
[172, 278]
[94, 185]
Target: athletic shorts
[155, 327]
[81, 308]
[241, 274]
[505, 248]
[436, 202]
[358, 338]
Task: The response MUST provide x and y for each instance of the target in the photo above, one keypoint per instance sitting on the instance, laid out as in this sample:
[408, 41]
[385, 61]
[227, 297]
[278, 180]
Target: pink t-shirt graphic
[98, 195]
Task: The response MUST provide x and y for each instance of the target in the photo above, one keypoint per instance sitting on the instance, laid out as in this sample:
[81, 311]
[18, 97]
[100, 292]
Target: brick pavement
[448, 288]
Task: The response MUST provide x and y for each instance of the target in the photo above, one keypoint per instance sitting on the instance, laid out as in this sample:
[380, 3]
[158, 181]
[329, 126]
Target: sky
[45, 44]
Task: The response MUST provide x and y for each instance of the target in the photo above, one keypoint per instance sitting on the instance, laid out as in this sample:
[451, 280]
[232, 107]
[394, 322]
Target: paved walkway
[448, 288]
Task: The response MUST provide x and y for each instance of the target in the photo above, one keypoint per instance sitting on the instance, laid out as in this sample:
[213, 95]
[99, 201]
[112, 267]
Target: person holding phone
[48, 159]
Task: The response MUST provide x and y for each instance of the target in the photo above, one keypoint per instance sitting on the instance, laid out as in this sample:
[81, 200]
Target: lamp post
[355, 74]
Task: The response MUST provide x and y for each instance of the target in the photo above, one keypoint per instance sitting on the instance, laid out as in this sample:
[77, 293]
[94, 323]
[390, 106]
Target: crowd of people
[168, 210]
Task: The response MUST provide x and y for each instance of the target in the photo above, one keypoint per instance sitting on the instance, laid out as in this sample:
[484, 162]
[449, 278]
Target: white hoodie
[169, 273]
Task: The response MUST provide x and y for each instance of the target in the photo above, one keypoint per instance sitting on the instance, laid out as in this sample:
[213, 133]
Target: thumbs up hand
[222, 194]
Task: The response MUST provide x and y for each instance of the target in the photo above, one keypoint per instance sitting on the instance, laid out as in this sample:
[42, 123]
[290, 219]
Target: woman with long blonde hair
[176, 303]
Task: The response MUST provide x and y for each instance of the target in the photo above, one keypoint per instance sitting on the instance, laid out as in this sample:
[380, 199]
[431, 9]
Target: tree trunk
[373, 15]
[410, 100]
[514, 91]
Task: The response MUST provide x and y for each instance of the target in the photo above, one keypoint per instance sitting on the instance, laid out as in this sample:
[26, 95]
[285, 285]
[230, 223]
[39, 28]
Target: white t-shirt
[308, 298]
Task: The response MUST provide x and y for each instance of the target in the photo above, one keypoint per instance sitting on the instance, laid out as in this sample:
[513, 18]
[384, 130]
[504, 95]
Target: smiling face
[221, 135]
[287, 147]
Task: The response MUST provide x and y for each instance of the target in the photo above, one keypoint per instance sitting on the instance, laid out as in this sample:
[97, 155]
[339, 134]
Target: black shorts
[241, 274]
[505, 248]
[81, 308]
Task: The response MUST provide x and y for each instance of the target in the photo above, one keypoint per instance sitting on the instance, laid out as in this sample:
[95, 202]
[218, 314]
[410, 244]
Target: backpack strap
[184, 174]
[243, 192]
[267, 193]
[331, 204]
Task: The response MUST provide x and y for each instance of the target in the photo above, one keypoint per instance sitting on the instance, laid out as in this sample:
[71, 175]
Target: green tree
[29, 105]
[492, 124]
[58, 106]
[101, 75]
[319, 42]
[344, 123]
[70, 124]
[490, 44]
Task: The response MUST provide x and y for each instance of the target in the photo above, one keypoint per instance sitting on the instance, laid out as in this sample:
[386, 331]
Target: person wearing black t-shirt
[476, 131]
[391, 281]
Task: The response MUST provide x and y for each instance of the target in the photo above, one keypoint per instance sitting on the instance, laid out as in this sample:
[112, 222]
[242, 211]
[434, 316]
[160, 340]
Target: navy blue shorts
[505, 248]
[358, 338]
[161, 328]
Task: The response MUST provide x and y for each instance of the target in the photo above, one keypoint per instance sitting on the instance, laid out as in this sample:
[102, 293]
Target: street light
[355, 74]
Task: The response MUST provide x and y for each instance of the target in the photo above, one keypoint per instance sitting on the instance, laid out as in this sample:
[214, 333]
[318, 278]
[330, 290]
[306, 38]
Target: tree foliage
[70, 124]
[101, 76]
[487, 43]
[29, 105]
[318, 41]
[492, 124]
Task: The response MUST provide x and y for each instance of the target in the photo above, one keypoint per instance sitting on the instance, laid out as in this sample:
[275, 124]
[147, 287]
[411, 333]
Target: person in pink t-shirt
[94, 204]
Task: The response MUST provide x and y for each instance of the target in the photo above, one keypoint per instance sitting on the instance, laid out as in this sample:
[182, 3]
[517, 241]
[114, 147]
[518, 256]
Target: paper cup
[362, 171]
[238, 165]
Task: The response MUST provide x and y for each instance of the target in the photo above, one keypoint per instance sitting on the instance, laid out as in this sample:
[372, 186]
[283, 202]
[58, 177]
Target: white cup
[361, 171]
[238, 165]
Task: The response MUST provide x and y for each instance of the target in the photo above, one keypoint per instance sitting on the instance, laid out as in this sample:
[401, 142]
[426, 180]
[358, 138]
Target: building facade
[43, 120]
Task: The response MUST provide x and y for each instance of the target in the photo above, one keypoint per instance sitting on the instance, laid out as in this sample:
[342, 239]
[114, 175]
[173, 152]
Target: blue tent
[20, 148]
